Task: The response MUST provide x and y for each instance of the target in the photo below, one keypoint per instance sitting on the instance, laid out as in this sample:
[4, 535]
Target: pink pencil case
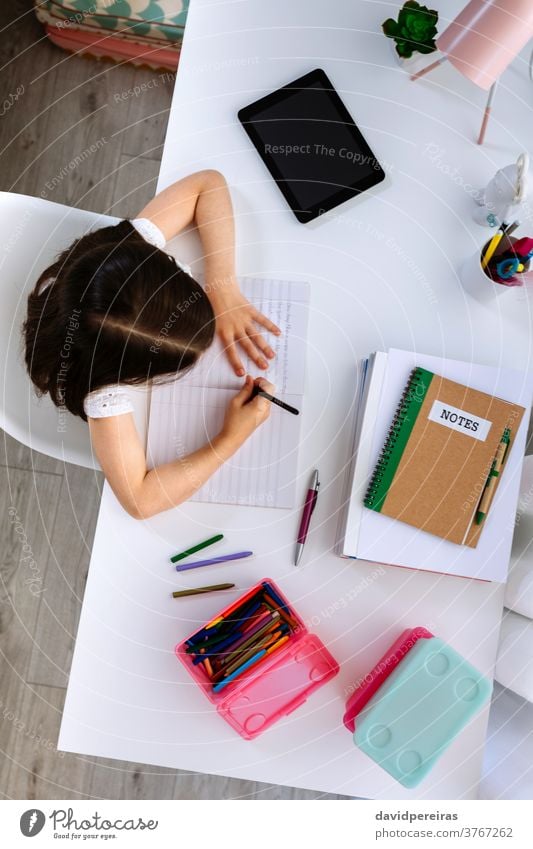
[274, 688]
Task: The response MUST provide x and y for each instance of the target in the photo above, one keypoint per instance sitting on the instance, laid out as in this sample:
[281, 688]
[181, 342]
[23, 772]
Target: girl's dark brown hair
[119, 310]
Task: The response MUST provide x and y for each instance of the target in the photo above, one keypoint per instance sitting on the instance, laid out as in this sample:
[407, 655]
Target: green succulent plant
[415, 29]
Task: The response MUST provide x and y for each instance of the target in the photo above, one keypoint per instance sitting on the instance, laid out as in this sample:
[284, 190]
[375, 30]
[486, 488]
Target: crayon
[277, 645]
[197, 590]
[245, 641]
[239, 671]
[195, 548]
[240, 601]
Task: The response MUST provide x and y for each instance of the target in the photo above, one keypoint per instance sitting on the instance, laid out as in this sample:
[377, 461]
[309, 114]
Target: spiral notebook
[438, 455]
[373, 534]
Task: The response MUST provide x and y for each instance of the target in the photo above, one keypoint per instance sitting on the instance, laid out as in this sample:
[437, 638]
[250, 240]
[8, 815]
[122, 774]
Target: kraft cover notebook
[438, 456]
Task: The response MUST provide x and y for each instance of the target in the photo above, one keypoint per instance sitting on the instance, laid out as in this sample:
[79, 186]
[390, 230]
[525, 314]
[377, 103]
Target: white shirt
[114, 400]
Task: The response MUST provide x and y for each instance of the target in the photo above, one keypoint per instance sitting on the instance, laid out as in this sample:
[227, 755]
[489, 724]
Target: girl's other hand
[245, 413]
[237, 326]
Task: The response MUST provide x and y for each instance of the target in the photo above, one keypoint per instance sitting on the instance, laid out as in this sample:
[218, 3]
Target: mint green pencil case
[419, 709]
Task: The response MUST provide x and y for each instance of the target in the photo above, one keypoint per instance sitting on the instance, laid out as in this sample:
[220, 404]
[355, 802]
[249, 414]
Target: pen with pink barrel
[309, 506]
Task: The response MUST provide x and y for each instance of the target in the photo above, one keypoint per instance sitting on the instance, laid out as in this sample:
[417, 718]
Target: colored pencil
[283, 611]
[235, 606]
[198, 590]
[206, 639]
[278, 644]
[224, 558]
[239, 671]
[245, 641]
[264, 642]
[195, 548]
[492, 245]
[213, 651]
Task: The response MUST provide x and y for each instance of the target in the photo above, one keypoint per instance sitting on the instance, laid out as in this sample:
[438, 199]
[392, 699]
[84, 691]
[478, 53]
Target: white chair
[33, 231]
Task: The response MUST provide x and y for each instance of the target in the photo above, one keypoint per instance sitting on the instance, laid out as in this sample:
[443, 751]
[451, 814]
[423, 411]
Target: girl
[134, 314]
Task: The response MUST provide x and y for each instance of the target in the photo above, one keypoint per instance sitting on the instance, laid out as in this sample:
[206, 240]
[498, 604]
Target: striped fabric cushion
[145, 21]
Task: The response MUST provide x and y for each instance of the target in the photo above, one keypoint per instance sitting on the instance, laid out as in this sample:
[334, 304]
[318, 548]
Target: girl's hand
[237, 322]
[244, 413]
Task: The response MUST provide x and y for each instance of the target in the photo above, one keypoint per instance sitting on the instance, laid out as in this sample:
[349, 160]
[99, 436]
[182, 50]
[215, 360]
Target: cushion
[153, 20]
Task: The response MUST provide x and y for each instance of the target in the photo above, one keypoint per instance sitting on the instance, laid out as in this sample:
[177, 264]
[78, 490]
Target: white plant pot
[416, 63]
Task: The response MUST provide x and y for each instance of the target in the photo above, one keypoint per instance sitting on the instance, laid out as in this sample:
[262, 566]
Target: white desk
[383, 272]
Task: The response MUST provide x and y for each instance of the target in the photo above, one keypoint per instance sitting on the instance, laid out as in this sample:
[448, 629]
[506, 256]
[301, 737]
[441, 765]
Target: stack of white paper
[369, 535]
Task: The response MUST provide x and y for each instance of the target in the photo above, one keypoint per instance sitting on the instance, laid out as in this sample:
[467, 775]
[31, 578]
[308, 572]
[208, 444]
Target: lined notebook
[438, 455]
[188, 413]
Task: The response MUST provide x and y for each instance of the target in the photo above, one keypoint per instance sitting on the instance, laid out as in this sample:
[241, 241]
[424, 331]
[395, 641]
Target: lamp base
[488, 107]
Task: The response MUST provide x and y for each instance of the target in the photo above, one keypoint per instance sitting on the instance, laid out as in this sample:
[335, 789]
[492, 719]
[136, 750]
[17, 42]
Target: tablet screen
[310, 144]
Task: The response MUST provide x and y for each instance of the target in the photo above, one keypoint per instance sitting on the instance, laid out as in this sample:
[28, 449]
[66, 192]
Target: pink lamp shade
[486, 36]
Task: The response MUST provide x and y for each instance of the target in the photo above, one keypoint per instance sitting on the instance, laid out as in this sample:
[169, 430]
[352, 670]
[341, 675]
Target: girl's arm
[144, 493]
[203, 199]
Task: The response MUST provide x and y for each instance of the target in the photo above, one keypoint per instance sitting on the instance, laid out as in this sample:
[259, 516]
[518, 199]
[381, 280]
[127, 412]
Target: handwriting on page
[287, 305]
[188, 413]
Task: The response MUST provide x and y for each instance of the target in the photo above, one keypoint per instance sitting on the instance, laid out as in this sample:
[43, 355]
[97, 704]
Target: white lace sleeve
[149, 231]
[109, 401]
[153, 235]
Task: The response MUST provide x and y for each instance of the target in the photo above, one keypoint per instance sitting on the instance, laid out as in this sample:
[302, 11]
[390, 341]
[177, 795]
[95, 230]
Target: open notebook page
[188, 413]
[286, 303]
[260, 474]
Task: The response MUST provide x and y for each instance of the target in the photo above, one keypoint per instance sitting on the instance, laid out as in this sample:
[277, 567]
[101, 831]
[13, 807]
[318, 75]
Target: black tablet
[310, 144]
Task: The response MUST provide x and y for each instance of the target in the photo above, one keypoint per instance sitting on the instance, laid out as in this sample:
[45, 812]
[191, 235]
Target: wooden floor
[48, 510]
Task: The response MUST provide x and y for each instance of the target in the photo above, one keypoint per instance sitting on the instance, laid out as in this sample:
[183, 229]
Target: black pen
[276, 401]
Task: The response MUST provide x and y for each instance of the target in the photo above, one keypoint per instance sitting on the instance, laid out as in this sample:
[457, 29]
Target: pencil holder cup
[256, 661]
[411, 706]
[477, 282]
